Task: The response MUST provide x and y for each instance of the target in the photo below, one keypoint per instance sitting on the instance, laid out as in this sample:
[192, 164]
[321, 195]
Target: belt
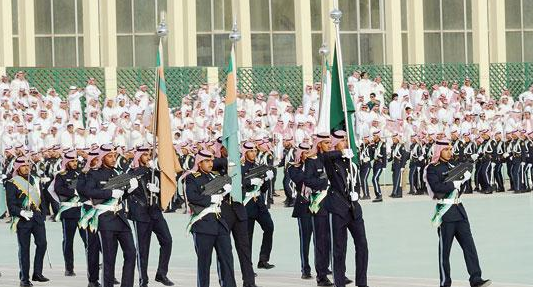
[104, 208]
[88, 202]
[449, 201]
[71, 204]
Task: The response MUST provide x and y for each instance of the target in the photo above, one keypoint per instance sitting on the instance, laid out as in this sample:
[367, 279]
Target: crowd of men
[59, 154]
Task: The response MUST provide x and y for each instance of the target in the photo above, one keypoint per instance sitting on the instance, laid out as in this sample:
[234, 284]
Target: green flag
[230, 131]
[336, 119]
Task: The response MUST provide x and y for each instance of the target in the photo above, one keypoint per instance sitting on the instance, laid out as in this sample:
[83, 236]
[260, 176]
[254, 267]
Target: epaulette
[312, 157]
[63, 172]
[196, 174]
[215, 172]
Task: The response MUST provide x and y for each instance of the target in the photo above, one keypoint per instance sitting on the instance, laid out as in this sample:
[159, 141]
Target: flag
[167, 159]
[230, 130]
[325, 100]
[336, 118]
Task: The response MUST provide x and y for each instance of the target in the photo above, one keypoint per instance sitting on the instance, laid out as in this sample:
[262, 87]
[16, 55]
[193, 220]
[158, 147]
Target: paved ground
[402, 243]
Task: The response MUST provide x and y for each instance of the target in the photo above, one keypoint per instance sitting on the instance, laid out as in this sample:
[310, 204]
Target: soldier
[266, 157]
[517, 163]
[487, 166]
[398, 158]
[450, 217]
[295, 174]
[379, 154]
[288, 157]
[499, 160]
[24, 202]
[70, 207]
[316, 179]
[147, 217]
[365, 166]
[113, 226]
[346, 213]
[468, 150]
[416, 159]
[254, 201]
[208, 228]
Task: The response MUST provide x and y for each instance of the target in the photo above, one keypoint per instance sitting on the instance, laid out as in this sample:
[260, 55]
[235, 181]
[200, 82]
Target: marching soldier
[113, 226]
[24, 201]
[265, 157]
[256, 208]
[208, 228]
[487, 165]
[468, 153]
[398, 158]
[451, 218]
[147, 217]
[288, 156]
[365, 166]
[70, 207]
[379, 152]
[416, 165]
[517, 164]
[499, 160]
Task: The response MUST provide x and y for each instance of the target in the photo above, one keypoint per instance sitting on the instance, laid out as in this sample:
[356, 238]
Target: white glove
[457, 184]
[227, 187]
[117, 193]
[522, 163]
[354, 196]
[80, 158]
[420, 158]
[269, 175]
[152, 187]
[402, 169]
[216, 198]
[133, 185]
[466, 176]
[506, 155]
[256, 181]
[151, 164]
[231, 164]
[347, 153]
[474, 156]
[26, 214]
[366, 159]
[45, 179]
[3, 176]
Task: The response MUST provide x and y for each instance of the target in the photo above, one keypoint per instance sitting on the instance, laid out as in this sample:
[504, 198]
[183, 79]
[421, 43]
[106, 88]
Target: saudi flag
[336, 111]
[230, 130]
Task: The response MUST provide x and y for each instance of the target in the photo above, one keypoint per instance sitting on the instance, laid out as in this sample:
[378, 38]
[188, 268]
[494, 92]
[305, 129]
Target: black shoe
[347, 281]
[94, 284]
[163, 280]
[39, 278]
[378, 199]
[329, 272]
[25, 283]
[70, 273]
[249, 285]
[307, 276]
[144, 285]
[365, 197]
[265, 265]
[274, 194]
[324, 282]
[116, 282]
[482, 283]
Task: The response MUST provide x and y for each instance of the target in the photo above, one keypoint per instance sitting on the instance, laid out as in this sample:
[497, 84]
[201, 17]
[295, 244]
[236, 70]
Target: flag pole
[336, 15]
[234, 37]
[323, 51]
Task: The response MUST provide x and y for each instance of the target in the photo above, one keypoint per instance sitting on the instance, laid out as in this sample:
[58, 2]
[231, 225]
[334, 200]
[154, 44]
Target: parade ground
[402, 247]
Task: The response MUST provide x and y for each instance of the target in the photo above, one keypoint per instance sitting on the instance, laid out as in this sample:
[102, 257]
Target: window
[362, 31]
[448, 31]
[213, 25]
[137, 41]
[273, 32]
[14, 23]
[405, 29]
[316, 30]
[58, 33]
[519, 30]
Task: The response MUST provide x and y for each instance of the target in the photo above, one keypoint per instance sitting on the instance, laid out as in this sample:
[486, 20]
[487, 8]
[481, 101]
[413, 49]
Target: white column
[6, 34]
[26, 29]
[328, 28]
[415, 31]
[393, 33]
[176, 37]
[498, 44]
[91, 39]
[304, 51]
[108, 33]
[190, 32]
[243, 50]
[480, 39]
[111, 83]
[212, 78]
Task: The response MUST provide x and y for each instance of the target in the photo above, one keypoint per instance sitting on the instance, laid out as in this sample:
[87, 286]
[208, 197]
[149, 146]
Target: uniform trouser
[239, 230]
[461, 231]
[498, 177]
[143, 232]
[485, 174]
[509, 165]
[340, 226]
[413, 179]
[286, 187]
[363, 174]
[109, 240]
[477, 174]
[376, 173]
[204, 244]
[48, 201]
[305, 231]
[466, 187]
[69, 231]
[92, 253]
[527, 176]
[267, 225]
[322, 243]
[516, 171]
[23, 236]
[397, 180]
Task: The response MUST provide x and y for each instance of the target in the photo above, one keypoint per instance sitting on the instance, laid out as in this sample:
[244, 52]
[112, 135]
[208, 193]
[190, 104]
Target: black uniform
[113, 228]
[454, 225]
[380, 162]
[209, 232]
[365, 168]
[25, 228]
[70, 208]
[148, 218]
[234, 213]
[499, 159]
[288, 157]
[399, 159]
[257, 210]
[416, 166]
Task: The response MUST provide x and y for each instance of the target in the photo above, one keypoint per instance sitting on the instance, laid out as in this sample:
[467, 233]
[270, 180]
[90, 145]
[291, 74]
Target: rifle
[122, 181]
[458, 172]
[258, 172]
[215, 186]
